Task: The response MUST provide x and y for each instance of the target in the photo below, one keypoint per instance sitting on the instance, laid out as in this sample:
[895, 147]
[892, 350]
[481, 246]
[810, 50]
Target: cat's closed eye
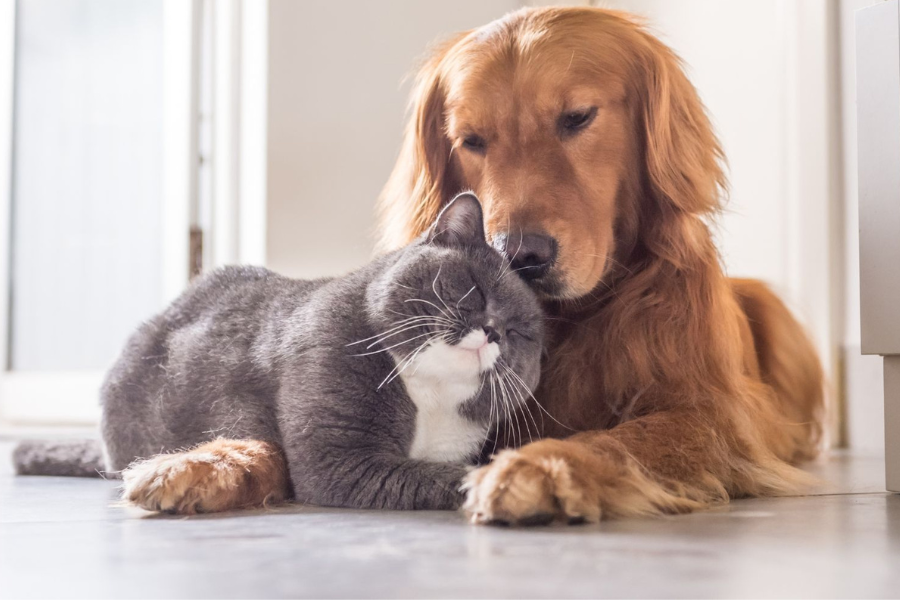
[520, 334]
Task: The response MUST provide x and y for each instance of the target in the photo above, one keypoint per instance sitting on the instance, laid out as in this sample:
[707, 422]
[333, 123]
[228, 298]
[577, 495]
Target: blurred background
[143, 141]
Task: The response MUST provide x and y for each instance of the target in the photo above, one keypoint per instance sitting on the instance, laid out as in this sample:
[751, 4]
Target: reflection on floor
[65, 538]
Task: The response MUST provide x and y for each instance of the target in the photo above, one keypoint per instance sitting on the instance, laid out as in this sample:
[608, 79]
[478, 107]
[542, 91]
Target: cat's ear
[460, 223]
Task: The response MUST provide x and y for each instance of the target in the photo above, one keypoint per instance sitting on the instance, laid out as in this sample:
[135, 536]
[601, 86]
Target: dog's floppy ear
[421, 181]
[684, 158]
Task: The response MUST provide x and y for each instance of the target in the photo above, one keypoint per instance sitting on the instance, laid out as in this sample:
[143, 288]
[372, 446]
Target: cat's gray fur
[248, 354]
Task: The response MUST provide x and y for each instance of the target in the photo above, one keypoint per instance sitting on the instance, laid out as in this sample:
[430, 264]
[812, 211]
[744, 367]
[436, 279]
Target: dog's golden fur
[686, 387]
[211, 477]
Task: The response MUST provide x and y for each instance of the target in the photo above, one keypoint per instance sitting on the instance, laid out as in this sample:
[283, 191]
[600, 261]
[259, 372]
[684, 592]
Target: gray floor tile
[67, 538]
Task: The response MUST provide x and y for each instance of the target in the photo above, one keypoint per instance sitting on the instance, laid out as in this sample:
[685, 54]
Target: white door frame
[237, 110]
[7, 74]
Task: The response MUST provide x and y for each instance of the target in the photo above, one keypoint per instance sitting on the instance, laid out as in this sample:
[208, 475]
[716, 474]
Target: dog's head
[578, 131]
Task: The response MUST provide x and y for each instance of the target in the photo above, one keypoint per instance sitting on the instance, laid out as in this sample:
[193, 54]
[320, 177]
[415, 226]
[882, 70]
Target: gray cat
[379, 386]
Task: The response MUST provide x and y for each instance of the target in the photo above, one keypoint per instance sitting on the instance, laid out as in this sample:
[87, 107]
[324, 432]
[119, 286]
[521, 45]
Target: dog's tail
[789, 363]
[76, 458]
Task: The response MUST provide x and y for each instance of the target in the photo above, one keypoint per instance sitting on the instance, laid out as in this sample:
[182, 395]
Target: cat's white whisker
[390, 333]
[505, 418]
[436, 307]
[538, 404]
[487, 430]
[397, 345]
[510, 427]
[466, 295]
[507, 382]
[410, 360]
[404, 364]
[393, 327]
[440, 317]
[524, 401]
[499, 416]
[434, 287]
[505, 269]
[397, 366]
[515, 383]
[427, 323]
[509, 408]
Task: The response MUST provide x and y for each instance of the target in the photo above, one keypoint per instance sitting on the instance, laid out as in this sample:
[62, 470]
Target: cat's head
[451, 308]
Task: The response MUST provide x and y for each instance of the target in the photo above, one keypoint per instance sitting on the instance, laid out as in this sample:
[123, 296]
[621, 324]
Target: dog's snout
[531, 254]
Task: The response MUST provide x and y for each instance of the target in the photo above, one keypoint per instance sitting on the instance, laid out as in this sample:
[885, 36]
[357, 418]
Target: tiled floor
[65, 538]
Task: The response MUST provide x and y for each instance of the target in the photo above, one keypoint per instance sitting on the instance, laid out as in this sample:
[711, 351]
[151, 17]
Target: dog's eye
[576, 120]
[473, 142]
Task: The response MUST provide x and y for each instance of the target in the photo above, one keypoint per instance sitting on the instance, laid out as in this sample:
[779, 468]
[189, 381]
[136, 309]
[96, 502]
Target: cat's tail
[76, 458]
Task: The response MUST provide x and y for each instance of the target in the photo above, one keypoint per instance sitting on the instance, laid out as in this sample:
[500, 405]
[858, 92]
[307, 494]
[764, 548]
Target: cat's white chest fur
[440, 380]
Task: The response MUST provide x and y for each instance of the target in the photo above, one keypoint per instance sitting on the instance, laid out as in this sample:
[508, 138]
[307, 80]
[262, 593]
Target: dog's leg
[661, 463]
[212, 477]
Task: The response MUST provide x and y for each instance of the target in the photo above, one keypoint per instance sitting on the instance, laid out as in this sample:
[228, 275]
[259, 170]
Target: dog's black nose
[531, 254]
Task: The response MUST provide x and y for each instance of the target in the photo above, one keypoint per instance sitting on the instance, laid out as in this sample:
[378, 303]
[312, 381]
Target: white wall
[336, 114]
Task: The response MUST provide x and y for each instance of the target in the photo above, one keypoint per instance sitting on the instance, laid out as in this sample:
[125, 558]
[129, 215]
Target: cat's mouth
[481, 348]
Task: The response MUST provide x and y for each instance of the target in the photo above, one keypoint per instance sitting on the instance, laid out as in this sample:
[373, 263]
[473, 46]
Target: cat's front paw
[221, 475]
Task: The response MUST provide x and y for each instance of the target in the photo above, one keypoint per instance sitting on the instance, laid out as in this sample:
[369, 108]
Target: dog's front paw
[221, 475]
[183, 483]
[529, 489]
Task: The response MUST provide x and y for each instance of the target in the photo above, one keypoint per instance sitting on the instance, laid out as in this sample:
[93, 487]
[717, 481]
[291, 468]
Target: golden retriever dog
[666, 386]
[671, 386]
